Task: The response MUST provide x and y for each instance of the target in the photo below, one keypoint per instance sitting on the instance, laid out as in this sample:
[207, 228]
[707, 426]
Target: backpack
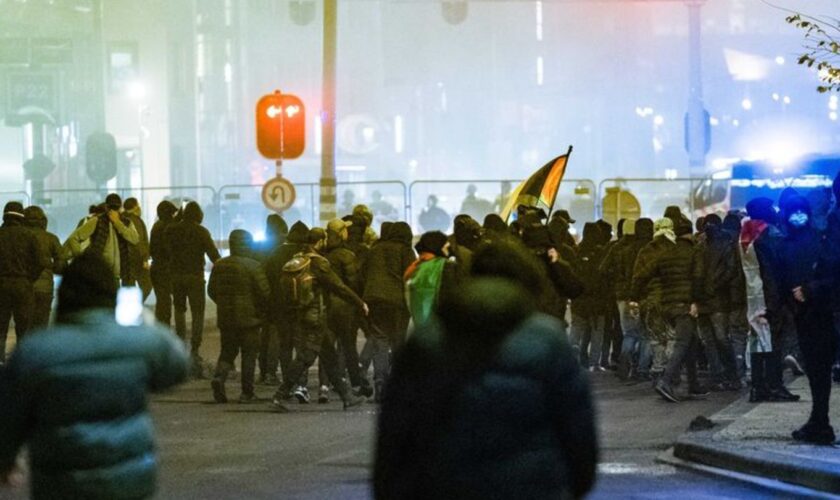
[297, 282]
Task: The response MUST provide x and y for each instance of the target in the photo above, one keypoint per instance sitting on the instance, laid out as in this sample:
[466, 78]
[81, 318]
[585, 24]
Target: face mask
[798, 219]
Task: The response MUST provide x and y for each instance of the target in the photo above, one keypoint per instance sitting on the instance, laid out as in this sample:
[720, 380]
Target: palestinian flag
[539, 190]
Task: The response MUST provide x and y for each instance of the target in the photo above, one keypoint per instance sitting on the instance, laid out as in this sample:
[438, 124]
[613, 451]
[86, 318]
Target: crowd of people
[742, 296]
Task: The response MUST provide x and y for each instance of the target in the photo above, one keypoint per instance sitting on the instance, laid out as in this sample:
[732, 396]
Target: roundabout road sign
[278, 194]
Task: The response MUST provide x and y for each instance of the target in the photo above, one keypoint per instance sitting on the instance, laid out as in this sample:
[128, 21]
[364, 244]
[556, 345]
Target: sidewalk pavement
[755, 439]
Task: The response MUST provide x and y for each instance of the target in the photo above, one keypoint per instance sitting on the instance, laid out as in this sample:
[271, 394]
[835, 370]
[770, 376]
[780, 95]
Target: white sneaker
[302, 394]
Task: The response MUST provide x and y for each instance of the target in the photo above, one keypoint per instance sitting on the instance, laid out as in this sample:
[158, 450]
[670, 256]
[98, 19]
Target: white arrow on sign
[278, 194]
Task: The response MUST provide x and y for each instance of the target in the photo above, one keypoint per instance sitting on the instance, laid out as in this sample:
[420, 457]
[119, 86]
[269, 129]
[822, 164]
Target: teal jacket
[77, 395]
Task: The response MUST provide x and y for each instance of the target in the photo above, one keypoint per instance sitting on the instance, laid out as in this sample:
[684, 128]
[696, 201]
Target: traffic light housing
[281, 131]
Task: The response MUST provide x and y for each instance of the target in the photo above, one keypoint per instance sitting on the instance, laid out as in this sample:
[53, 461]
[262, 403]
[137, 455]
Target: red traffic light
[281, 131]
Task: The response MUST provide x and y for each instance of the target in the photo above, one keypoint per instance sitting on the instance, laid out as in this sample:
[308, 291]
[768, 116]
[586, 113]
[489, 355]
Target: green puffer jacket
[77, 395]
[673, 267]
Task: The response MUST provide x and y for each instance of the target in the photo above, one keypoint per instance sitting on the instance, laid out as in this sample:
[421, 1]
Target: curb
[771, 485]
[703, 449]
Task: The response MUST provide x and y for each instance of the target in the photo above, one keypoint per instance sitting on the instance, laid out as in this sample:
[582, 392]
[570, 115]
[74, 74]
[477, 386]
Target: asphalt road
[320, 451]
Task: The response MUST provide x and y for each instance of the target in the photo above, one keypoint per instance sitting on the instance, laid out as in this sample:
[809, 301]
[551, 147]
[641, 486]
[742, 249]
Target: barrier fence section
[241, 206]
[425, 204]
[434, 203]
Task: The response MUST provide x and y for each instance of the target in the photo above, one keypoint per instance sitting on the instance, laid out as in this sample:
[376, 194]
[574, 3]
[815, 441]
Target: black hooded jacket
[386, 264]
[490, 403]
[806, 259]
[587, 267]
[188, 241]
[716, 271]
[19, 255]
[238, 286]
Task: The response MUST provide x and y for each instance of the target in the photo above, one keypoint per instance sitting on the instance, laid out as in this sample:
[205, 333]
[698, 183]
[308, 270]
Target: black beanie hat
[761, 209]
[683, 227]
[431, 242]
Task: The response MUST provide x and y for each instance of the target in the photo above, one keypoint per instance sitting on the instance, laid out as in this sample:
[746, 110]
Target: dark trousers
[234, 341]
[16, 301]
[389, 323]
[685, 346]
[162, 283]
[739, 329]
[313, 340]
[817, 342]
[268, 356]
[189, 287]
[41, 309]
[286, 326]
[344, 323]
[714, 333]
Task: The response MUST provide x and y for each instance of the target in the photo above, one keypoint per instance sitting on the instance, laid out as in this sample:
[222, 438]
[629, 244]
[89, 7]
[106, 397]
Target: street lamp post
[327, 199]
[696, 122]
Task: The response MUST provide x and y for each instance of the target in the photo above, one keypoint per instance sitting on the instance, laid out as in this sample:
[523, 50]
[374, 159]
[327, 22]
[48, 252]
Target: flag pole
[554, 201]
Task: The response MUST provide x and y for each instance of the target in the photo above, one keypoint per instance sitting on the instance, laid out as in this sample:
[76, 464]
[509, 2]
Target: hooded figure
[21, 263]
[160, 271]
[189, 242]
[832, 234]
[809, 268]
[107, 235]
[589, 308]
[276, 231]
[478, 371]
[384, 292]
[761, 236]
[50, 251]
[240, 290]
[89, 433]
[427, 276]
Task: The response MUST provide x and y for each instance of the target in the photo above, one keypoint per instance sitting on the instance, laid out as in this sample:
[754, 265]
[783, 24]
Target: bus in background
[735, 185]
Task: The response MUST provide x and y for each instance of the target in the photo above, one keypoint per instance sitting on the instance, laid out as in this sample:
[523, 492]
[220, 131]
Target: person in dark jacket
[767, 245]
[51, 252]
[488, 402]
[313, 339]
[618, 264]
[384, 293]
[589, 309]
[646, 295]
[188, 243]
[240, 290]
[138, 255]
[21, 263]
[161, 269]
[276, 232]
[673, 267]
[564, 282]
[716, 268]
[808, 272]
[343, 317]
[109, 235]
[832, 233]
[739, 326]
[76, 394]
[280, 314]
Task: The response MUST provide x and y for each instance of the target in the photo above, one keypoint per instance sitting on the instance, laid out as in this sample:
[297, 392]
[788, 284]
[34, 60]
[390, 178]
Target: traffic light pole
[328, 184]
[696, 140]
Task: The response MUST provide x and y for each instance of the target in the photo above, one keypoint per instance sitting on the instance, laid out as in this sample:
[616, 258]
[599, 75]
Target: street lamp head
[136, 90]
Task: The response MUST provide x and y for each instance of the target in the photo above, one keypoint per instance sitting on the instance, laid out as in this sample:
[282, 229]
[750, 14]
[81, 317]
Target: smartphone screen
[129, 306]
